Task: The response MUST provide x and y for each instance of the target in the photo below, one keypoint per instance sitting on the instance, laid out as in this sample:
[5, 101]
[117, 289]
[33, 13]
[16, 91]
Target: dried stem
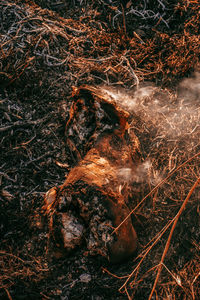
[155, 188]
[171, 233]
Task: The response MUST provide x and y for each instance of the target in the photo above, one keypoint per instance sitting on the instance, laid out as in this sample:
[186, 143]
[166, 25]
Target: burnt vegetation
[46, 49]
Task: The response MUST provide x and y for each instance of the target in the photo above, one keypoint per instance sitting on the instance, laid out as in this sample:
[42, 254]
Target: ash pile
[92, 201]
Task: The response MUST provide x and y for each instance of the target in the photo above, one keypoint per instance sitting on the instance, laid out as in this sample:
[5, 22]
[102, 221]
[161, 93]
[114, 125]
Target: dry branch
[170, 235]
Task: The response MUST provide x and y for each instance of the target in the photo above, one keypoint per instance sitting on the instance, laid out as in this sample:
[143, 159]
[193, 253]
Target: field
[146, 54]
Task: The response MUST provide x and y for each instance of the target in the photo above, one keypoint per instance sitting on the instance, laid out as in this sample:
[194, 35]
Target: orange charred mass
[93, 199]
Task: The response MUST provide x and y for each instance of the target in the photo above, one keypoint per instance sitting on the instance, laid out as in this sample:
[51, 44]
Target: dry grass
[168, 177]
[41, 54]
[86, 51]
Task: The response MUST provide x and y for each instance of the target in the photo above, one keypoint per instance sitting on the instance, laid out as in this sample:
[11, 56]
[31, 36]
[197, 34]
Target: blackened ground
[35, 99]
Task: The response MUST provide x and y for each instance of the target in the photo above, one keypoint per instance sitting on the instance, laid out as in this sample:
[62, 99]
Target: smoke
[172, 114]
[144, 172]
[167, 124]
[189, 88]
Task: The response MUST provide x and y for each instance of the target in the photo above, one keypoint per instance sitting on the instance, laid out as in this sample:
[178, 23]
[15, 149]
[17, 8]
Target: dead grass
[87, 51]
[41, 55]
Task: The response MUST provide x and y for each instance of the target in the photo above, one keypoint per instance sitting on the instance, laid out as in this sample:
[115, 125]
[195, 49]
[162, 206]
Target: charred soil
[48, 47]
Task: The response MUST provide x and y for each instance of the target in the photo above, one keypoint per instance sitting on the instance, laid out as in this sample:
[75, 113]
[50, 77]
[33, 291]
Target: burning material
[93, 199]
[42, 55]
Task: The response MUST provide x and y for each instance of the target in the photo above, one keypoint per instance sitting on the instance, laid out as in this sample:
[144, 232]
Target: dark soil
[47, 47]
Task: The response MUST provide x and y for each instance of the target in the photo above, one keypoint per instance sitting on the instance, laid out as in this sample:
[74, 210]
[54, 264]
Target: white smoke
[189, 88]
[144, 172]
[175, 114]
[171, 120]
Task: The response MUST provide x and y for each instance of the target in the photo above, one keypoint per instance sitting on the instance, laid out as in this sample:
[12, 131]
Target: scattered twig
[152, 243]
[22, 124]
[38, 158]
[155, 188]
[170, 235]
[8, 294]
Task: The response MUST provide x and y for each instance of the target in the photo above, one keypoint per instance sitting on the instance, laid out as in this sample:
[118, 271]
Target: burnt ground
[46, 48]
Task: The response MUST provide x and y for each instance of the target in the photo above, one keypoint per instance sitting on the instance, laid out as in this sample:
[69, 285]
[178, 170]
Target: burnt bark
[93, 199]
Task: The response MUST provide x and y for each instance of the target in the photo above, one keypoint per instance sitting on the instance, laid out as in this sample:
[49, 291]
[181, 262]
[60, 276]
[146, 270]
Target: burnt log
[93, 199]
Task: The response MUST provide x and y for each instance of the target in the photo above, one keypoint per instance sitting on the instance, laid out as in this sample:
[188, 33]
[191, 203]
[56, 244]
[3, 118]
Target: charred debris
[100, 107]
